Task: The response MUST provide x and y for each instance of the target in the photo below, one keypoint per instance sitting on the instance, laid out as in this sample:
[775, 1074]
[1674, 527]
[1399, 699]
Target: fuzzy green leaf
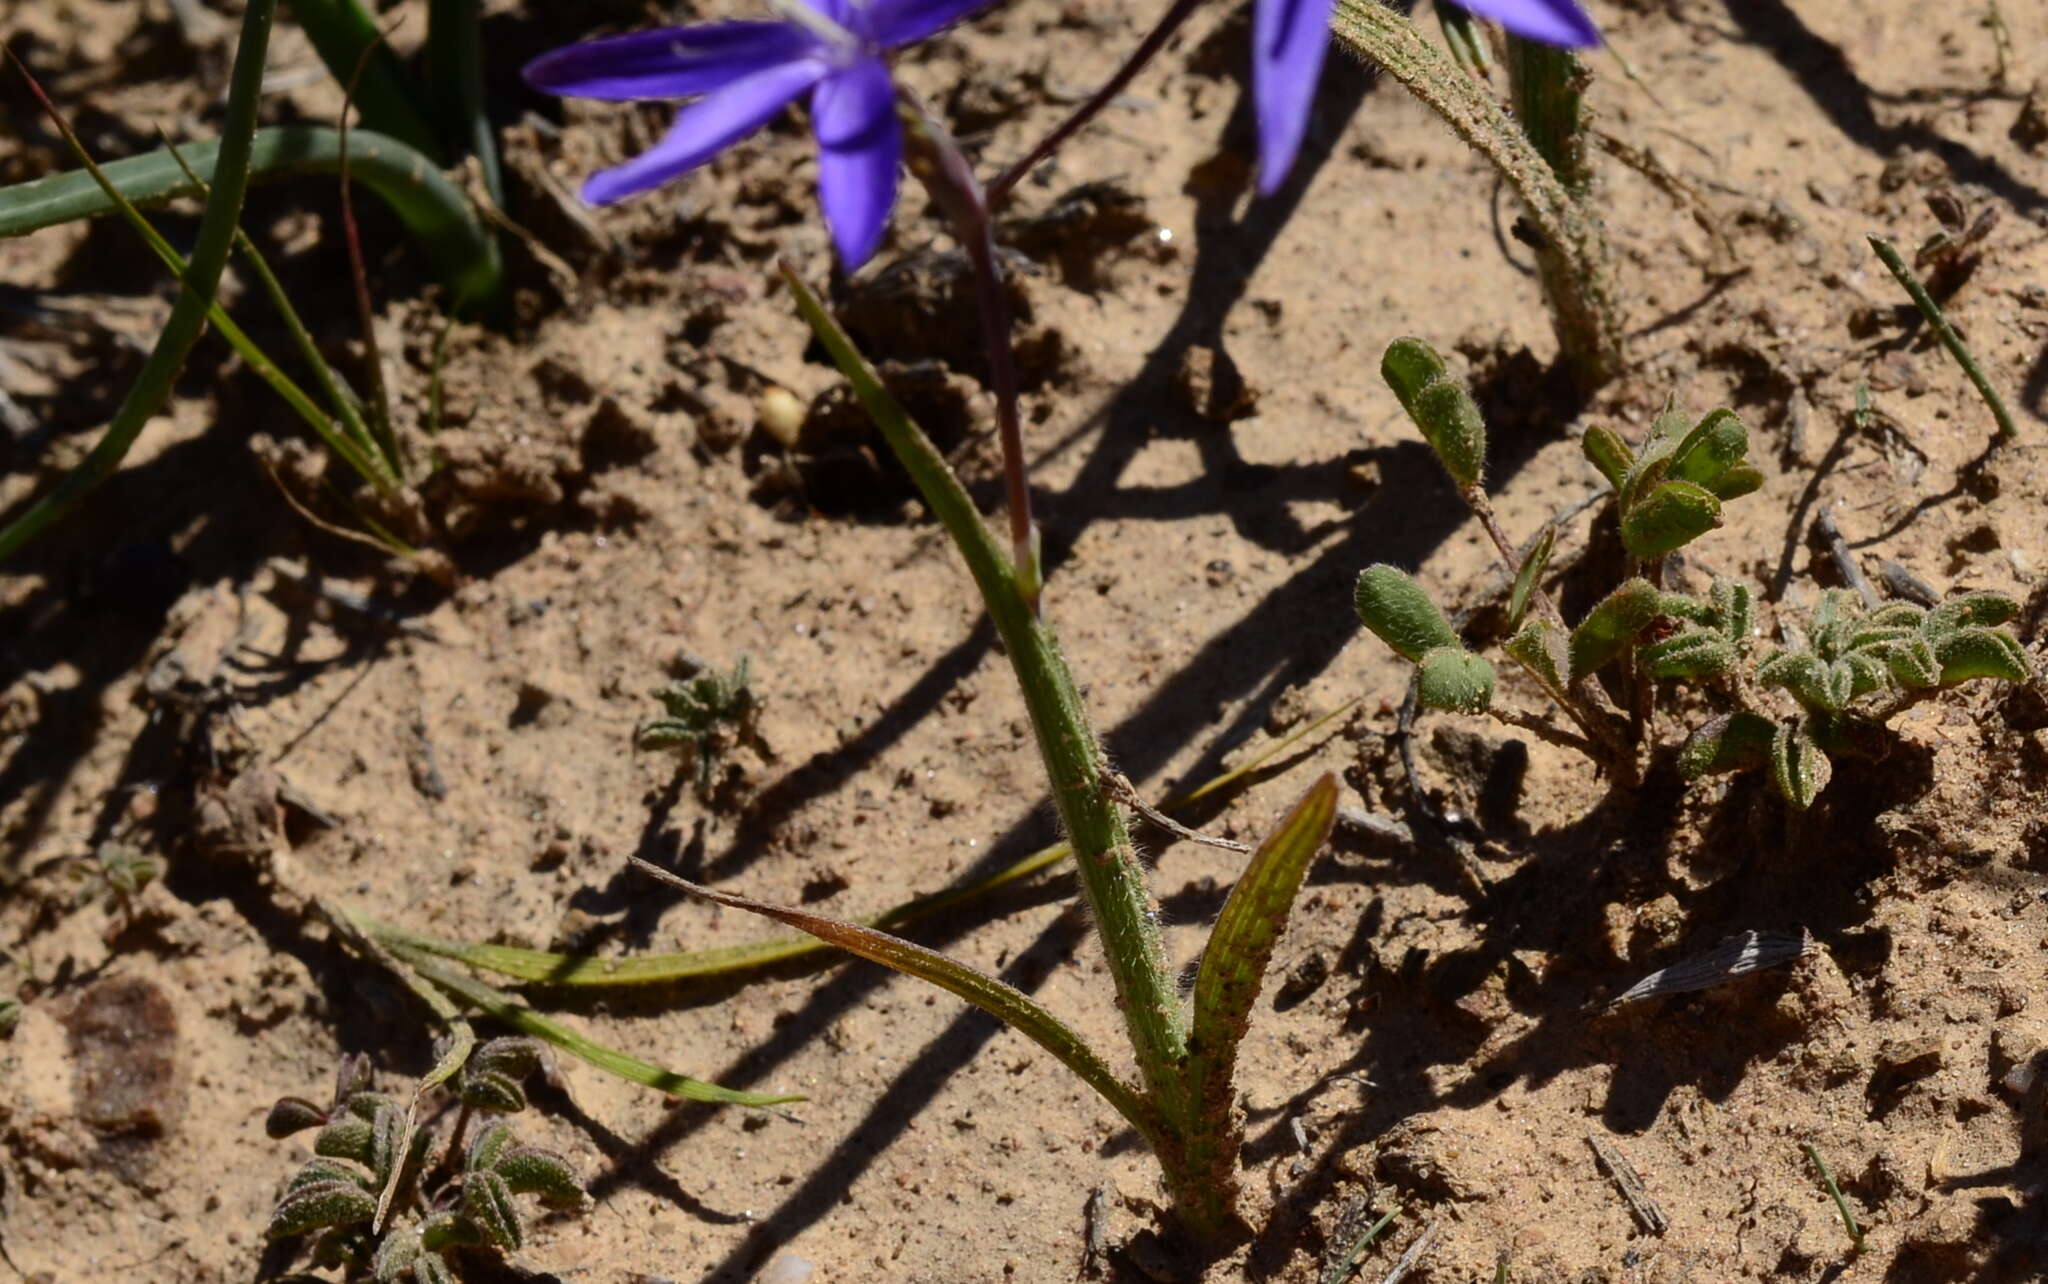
[1455, 679]
[448, 1229]
[1451, 423]
[514, 1056]
[290, 1115]
[432, 1268]
[1233, 967]
[1895, 615]
[1715, 444]
[1913, 664]
[1531, 574]
[1970, 610]
[529, 1170]
[1735, 605]
[1980, 653]
[1612, 625]
[1740, 480]
[366, 1106]
[399, 1253]
[1812, 681]
[1409, 366]
[1693, 653]
[1400, 614]
[487, 1201]
[345, 1138]
[1667, 518]
[1606, 451]
[1002, 1001]
[321, 1168]
[1867, 673]
[1798, 767]
[318, 1204]
[1731, 742]
[492, 1140]
[490, 1090]
[1540, 648]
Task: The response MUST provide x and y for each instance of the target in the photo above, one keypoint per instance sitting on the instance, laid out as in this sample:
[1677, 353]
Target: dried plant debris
[1738, 956]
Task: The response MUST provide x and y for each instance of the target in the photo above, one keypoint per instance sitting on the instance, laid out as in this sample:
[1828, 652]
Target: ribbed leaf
[346, 1138]
[320, 1168]
[529, 1170]
[487, 1201]
[1004, 1002]
[1531, 574]
[1667, 518]
[493, 1091]
[320, 1203]
[1798, 766]
[1980, 653]
[491, 1141]
[1715, 444]
[1451, 423]
[1971, 610]
[1913, 664]
[1410, 365]
[1731, 742]
[1693, 653]
[1606, 451]
[1540, 648]
[1612, 625]
[292, 1114]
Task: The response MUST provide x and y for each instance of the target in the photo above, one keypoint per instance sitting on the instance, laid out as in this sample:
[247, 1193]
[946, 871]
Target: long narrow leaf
[1004, 1002]
[496, 1003]
[586, 971]
[436, 214]
[188, 315]
[346, 37]
[1234, 964]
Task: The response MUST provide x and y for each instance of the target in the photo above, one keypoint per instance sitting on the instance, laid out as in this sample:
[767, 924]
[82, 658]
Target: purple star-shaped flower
[742, 74]
[1289, 38]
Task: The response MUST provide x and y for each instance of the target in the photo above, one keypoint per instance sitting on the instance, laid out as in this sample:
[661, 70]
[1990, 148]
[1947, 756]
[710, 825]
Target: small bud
[1798, 766]
[318, 1204]
[1400, 614]
[1531, 575]
[1667, 518]
[291, 1115]
[1731, 742]
[1606, 451]
[529, 1170]
[1612, 625]
[1455, 679]
[1980, 653]
[487, 1202]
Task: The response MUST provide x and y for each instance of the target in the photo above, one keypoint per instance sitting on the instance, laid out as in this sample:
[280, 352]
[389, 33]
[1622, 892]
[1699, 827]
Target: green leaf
[433, 1268]
[1400, 614]
[1811, 680]
[1531, 574]
[1452, 425]
[1612, 625]
[1735, 610]
[397, 1254]
[1740, 480]
[529, 1170]
[493, 1091]
[1731, 742]
[1693, 653]
[1971, 610]
[1798, 767]
[514, 1057]
[1540, 648]
[1455, 679]
[1667, 518]
[1913, 664]
[496, 1003]
[448, 1229]
[1410, 365]
[292, 1114]
[318, 1204]
[345, 1138]
[1716, 444]
[1867, 673]
[487, 1201]
[1980, 653]
[1606, 451]
[1004, 1002]
[320, 1168]
[493, 1140]
[1234, 960]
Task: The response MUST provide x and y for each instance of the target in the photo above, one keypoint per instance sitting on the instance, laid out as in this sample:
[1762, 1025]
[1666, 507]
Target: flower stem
[937, 161]
[1931, 310]
[1155, 40]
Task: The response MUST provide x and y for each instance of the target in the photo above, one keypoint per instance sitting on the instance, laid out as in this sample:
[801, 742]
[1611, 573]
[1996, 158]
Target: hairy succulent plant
[369, 1155]
[1789, 707]
[703, 717]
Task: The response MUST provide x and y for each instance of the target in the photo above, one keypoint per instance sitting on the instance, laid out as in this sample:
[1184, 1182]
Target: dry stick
[1411, 1258]
[1630, 1185]
[1845, 561]
[1905, 276]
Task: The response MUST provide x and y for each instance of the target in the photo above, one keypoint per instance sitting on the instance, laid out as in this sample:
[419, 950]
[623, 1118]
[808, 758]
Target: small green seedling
[704, 717]
[1789, 707]
[386, 1208]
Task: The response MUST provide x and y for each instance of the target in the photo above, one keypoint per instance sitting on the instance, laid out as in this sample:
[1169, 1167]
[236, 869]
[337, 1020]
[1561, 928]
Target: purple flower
[1289, 38]
[742, 74]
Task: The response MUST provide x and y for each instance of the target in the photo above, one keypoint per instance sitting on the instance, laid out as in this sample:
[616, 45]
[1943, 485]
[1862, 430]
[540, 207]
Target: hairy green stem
[1907, 279]
[1112, 878]
[434, 211]
[346, 37]
[195, 296]
[1582, 307]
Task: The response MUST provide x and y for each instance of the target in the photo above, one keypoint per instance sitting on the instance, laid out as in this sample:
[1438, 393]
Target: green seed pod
[290, 1115]
[1694, 653]
[318, 1204]
[1540, 648]
[493, 1141]
[1409, 366]
[1798, 767]
[1612, 625]
[1531, 575]
[1455, 679]
[1606, 451]
[529, 1170]
[1980, 653]
[487, 1202]
[1667, 518]
[1731, 742]
[1452, 425]
[345, 1138]
[1400, 614]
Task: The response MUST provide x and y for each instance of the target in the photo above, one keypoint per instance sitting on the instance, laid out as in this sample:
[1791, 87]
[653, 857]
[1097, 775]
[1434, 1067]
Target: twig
[1845, 561]
[1889, 253]
[1611, 1161]
[1119, 787]
[1409, 1259]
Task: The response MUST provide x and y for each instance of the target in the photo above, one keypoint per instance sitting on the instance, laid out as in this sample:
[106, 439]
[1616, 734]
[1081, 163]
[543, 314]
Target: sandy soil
[614, 509]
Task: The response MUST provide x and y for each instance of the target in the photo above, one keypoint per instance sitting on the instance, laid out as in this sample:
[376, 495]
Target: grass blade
[1827, 1179]
[346, 37]
[1004, 1002]
[1234, 968]
[501, 1006]
[455, 67]
[586, 971]
[1906, 278]
[195, 296]
[436, 215]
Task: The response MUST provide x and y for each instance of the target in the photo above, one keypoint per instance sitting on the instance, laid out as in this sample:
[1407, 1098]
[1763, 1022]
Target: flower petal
[1554, 22]
[704, 129]
[670, 62]
[1289, 39]
[896, 23]
[860, 149]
